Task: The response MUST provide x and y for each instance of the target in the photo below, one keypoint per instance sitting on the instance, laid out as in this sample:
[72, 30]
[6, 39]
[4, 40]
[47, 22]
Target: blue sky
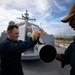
[48, 14]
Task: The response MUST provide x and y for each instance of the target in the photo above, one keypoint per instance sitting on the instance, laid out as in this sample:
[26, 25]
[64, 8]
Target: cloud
[45, 11]
[41, 6]
[7, 15]
[61, 31]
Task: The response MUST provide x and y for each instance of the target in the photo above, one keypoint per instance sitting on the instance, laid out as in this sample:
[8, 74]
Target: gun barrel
[47, 53]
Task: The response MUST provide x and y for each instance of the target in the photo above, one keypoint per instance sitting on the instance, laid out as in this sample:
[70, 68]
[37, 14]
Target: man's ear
[8, 32]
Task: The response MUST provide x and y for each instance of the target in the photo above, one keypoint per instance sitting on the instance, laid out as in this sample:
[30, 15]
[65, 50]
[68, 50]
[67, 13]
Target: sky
[48, 14]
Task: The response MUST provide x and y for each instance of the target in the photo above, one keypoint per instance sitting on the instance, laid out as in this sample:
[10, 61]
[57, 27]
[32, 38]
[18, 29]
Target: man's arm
[65, 58]
[19, 47]
[60, 57]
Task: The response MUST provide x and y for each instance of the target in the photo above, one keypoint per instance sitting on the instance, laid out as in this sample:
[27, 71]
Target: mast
[26, 17]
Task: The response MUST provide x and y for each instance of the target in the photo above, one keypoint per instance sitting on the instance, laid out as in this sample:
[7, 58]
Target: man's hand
[41, 33]
[58, 57]
[36, 34]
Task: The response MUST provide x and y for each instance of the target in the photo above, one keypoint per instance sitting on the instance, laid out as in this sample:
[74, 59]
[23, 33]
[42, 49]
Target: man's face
[14, 34]
[72, 23]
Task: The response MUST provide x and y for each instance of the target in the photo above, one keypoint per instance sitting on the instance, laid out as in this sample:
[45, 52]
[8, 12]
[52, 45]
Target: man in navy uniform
[11, 49]
[69, 55]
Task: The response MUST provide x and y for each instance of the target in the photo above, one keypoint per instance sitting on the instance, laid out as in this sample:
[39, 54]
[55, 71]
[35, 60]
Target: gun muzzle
[47, 53]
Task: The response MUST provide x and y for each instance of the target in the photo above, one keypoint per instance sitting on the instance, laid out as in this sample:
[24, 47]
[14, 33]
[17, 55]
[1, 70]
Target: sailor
[11, 49]
[69, 55]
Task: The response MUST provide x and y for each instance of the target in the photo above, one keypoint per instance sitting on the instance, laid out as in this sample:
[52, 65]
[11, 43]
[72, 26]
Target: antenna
[25, 16]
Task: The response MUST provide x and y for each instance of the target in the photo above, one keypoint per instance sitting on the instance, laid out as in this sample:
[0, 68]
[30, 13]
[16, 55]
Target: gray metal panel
[3, 36]
[49, 39]
[22, 32]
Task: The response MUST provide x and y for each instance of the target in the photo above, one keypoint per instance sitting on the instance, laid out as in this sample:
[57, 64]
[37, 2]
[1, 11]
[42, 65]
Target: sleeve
[18, 47]
[66, 56]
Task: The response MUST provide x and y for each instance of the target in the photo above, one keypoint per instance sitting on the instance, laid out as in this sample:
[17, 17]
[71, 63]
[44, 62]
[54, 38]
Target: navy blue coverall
[11, 55]
[69, 57]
